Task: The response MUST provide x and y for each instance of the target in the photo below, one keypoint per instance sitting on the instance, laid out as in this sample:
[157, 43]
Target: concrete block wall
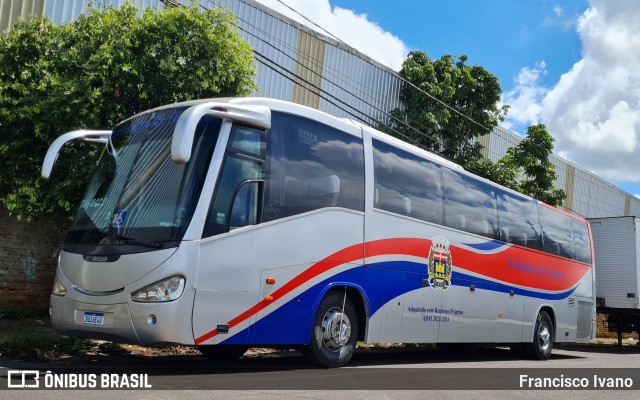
[28, 258]
[602, 329]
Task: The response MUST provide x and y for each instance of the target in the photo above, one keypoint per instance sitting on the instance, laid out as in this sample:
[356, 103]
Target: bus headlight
[58, 288]
[166, 290]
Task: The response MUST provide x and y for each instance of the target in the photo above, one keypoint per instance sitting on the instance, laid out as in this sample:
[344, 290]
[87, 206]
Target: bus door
[227, 270]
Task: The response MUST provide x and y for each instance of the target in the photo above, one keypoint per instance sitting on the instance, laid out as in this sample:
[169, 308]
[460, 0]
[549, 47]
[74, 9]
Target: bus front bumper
[156, 324]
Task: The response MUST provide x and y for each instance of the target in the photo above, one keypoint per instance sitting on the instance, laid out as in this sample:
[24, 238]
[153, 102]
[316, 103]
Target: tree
[531, 156]
[95, 72]
[526, 167]
[460, 106]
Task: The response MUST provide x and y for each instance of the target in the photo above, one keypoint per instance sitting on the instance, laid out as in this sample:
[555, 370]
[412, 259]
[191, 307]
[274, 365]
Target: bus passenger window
[407, 184]
[581, 241]
[470, 205]
[557, 235]
[311, 166]
[518, 220]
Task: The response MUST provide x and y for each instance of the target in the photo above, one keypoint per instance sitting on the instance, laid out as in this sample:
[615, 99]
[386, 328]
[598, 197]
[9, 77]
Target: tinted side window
[470, 205]
[557, 237]
[518, 221]
[407, 184]
[581, 241]
[311, 165]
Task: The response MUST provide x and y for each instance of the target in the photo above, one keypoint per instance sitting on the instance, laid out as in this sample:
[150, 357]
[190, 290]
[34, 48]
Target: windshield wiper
[120, 239]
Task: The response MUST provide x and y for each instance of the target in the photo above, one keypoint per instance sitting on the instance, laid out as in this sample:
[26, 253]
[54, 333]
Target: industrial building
[298, 64]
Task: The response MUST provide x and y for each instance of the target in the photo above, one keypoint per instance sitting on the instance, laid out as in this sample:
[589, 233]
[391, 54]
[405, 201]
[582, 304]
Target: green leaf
[94, 72]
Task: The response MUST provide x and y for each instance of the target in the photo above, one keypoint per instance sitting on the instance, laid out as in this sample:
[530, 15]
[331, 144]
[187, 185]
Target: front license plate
[94, 318]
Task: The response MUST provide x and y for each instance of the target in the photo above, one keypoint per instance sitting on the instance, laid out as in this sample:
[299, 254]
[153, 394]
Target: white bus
[236, 223]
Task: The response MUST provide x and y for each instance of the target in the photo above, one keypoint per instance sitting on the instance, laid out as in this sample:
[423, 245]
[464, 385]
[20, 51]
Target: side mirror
[90, 136]
[246, 204]
[184, 132]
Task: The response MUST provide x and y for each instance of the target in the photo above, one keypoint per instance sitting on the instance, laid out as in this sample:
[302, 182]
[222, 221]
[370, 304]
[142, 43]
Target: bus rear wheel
[334, 332]
[540, 348]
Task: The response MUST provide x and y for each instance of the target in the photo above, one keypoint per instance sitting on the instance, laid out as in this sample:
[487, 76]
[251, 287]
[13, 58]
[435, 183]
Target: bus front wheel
[334, 332]
[540, 348]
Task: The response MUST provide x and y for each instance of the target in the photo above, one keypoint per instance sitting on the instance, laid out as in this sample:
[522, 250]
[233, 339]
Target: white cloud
[354, 29]
[559, 11]
[594, 109]
[526, 97]
[560, 19]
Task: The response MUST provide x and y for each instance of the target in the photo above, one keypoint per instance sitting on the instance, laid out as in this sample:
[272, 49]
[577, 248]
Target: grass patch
[22, 313]
[29, 344]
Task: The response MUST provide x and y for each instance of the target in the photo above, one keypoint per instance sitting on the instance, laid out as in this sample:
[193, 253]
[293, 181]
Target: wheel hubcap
[544, 337]
[336, 329]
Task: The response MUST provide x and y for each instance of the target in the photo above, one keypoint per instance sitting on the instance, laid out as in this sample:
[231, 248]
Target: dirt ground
[10, 328]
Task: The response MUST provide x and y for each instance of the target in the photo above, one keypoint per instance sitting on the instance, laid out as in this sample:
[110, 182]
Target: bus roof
[348, 125]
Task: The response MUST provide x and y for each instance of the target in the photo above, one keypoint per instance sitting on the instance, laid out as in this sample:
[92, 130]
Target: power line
[336, 101]
[323, 96]
[319, 92]
[436, 139]
[394, 73]
[307, 19]
[358, 86]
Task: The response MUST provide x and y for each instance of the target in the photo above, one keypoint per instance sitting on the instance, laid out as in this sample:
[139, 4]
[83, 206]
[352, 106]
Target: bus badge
[439, 263]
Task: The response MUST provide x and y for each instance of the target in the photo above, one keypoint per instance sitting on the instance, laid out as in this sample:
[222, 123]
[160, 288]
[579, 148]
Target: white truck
[616, 242]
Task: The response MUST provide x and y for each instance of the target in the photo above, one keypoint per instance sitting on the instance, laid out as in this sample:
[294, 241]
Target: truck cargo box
[616, 242]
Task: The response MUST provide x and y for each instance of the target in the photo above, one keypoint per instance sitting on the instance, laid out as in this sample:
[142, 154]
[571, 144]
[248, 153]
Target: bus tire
[540, 348]
[224, 353]
[334, 332]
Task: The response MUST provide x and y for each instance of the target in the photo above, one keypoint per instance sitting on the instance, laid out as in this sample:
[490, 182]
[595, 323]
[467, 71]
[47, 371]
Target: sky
[572, 65]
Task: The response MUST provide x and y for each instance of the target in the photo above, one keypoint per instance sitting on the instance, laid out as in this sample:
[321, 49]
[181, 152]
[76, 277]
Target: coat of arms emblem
[439, 263]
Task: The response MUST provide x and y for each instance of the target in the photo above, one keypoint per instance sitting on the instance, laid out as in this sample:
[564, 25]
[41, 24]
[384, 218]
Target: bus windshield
[138, 195]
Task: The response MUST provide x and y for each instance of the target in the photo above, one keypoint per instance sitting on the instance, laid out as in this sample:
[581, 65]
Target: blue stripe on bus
[486, 246]
[381, 283]
[290, 323]
[460, 279]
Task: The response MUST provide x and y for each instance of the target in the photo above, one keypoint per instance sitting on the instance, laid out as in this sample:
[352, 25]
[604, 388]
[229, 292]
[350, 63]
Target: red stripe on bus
[404, 246]
[520, 267]
[513, 265]
[344, 256]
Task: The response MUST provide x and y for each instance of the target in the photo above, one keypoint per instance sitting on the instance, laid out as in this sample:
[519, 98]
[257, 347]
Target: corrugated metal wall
[637, 235]
[311, 69]
[308, 70]
[616, 249]
[369, 91]
[61, 11]
[587, 194]
[13, 10]
[271, 37]
[352, 85]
